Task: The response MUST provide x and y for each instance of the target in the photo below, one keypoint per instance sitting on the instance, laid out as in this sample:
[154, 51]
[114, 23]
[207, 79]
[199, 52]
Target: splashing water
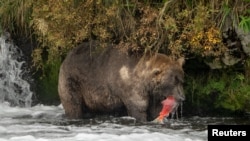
[13, 88]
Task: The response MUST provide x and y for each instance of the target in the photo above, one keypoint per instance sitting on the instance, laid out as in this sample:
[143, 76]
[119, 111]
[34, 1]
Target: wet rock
[244, 39]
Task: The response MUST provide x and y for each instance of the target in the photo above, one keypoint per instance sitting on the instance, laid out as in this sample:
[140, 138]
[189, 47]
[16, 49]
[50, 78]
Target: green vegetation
[220, 89]
[191, 28]
[16, 15]
[47, 83]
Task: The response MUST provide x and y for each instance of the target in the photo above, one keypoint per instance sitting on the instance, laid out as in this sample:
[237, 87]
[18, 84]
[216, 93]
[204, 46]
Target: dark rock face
[109, 81]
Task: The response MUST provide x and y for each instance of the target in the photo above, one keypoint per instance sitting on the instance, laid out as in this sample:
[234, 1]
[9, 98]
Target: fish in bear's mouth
[168, 106]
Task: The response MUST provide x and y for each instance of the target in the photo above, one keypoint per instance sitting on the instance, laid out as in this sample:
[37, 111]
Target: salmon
[168, 105]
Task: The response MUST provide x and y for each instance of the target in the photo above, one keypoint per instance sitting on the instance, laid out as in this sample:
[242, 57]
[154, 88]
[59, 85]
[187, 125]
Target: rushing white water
[13, 87]
[47, 123]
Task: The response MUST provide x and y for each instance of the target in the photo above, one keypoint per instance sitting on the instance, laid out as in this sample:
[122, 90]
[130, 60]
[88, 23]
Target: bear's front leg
[137, 107]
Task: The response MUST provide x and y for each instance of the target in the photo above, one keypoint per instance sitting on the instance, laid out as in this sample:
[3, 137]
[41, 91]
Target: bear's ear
[181, 61]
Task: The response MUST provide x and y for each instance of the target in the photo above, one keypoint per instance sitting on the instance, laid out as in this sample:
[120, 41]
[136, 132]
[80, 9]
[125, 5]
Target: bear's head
[163, 77]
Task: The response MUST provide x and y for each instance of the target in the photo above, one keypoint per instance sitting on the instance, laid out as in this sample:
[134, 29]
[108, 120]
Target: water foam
[47, 123]
[13, 88]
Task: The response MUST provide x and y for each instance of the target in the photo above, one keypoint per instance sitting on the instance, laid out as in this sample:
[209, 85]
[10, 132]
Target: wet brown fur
[109, 81]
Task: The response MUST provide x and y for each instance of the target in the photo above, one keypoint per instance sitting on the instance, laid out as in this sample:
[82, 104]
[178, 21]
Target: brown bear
[110, 81]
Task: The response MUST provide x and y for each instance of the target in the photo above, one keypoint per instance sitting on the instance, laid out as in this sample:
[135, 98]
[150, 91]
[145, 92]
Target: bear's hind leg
[70, 98]
[73, 107]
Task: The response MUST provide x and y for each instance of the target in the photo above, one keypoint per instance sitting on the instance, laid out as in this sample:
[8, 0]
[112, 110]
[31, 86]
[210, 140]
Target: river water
[47, 123]
[19, 121]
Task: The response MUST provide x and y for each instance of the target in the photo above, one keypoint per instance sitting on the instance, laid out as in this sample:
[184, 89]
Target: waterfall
[13, 88]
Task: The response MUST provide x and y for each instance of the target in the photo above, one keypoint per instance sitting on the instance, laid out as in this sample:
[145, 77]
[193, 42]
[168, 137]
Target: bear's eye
[156, 71]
